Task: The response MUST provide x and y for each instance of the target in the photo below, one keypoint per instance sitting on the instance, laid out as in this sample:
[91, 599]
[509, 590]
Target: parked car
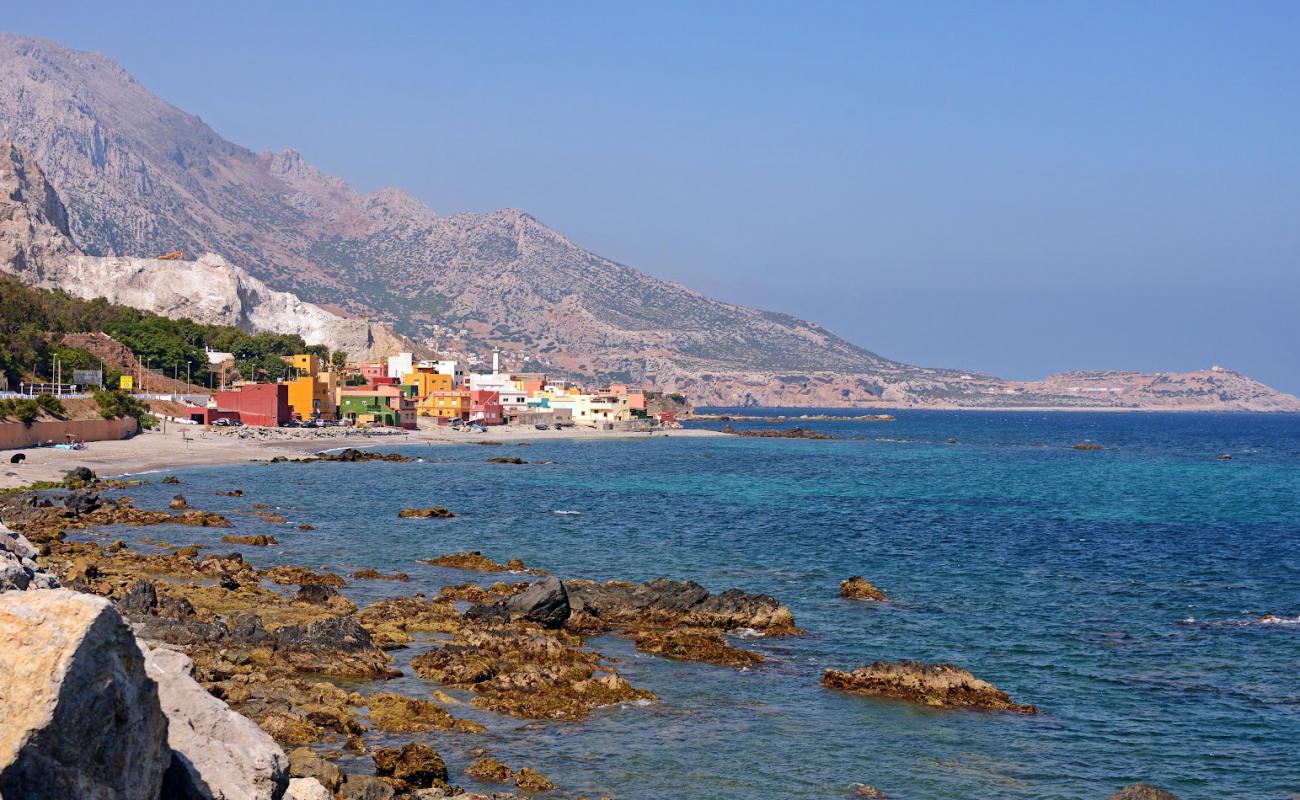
[542, 426]
[223, 422]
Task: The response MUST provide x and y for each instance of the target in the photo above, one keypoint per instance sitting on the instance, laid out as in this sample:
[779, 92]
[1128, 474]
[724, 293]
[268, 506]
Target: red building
[485, 407]
[252, 404]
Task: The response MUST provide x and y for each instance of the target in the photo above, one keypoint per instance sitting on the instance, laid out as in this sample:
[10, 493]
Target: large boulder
[216, 753]
[81, 717]
[546, 602]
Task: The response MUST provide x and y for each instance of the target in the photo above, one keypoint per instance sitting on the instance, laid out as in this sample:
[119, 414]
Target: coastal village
[398, 392]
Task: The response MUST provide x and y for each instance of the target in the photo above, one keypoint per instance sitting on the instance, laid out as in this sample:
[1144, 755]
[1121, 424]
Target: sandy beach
[189, 446]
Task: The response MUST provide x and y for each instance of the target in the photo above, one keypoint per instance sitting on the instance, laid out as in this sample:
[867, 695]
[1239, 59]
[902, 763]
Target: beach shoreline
[181, 446]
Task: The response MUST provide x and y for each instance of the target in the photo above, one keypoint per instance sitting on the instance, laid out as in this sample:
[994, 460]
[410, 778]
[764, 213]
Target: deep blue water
[1120, 591]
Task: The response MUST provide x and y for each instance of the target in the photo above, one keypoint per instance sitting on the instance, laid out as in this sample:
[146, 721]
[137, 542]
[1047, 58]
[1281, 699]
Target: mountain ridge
[140, 176]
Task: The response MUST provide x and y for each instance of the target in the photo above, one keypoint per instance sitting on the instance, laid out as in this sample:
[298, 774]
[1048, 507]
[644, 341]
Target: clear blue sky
[1019, 188]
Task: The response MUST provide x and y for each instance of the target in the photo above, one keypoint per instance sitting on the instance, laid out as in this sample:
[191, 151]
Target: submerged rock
[940, 685]
[179, 503]
[421, 513]
[695, 645]
[259, 540]
[506, 460]
[1142, 791]
[400, 714]
[859, 588]
[215, 752]
[84, 721]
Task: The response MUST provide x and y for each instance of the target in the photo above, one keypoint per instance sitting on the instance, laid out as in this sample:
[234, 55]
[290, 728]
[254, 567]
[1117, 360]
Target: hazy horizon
[1019, 190]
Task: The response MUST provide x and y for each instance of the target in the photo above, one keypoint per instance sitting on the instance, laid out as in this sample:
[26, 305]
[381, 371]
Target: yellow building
[306, 363]
[312, 396]
[426, 382]
[451, 404]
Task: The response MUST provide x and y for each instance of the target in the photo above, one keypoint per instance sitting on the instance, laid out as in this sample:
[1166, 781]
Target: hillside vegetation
[32, 322]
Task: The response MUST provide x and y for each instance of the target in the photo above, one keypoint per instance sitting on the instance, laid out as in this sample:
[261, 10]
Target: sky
[1017, 188]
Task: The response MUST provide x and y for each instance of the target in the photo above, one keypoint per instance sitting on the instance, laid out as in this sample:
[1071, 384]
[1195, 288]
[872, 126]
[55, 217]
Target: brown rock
[425, 513]
[400, 714]
[1142, 791]
[260, 540]
[940, 685]
[417, 765]
[179, 503]
[695, 645]
[304, 763]
[530, 780]
[859, 588]
[490, 770]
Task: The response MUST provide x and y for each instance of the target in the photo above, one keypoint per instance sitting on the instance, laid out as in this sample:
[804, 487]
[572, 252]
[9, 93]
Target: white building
[400, 365]
[452, 368]
[490, 383]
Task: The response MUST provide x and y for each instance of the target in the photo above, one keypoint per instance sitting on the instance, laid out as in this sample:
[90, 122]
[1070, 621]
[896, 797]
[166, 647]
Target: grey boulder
[546, 602]
[217, 754]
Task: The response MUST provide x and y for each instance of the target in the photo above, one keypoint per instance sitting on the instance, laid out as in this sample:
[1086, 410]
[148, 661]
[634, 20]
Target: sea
[1145, 596]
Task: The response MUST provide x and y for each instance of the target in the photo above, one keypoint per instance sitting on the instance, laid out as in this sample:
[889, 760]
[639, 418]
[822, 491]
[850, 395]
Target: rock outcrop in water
[859, 588]
[1142, 791]
[939, 685]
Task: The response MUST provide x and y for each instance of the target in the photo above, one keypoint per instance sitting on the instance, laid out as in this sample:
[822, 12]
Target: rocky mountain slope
[36, 246]
[141, 177]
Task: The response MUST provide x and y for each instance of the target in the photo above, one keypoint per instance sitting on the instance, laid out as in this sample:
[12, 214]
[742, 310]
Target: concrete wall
[14, 435]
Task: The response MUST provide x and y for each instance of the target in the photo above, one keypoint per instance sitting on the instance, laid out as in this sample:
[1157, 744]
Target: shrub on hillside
[113, 404]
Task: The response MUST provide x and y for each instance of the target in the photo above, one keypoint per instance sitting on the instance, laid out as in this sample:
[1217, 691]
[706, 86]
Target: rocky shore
[254, 669]
[225, 680]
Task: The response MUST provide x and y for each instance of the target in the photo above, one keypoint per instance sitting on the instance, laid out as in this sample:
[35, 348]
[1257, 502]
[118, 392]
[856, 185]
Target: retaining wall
[14, 435]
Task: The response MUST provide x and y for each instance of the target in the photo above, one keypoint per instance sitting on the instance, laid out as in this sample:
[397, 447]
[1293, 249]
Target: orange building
[312, 396]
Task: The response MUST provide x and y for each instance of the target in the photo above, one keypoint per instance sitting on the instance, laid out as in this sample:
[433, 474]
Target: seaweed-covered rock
[417, 765]
[433, 511]
[1142, 791]
[941, 685]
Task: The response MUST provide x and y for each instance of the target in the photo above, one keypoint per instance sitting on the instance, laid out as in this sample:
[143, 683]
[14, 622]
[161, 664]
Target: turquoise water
[1120, 591]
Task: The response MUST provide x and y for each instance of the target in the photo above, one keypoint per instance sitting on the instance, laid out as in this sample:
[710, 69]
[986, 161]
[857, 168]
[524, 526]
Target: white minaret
[496, 360]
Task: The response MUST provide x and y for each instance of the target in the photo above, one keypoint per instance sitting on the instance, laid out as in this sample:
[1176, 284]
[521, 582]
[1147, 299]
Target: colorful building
[377, 405]
[427, 381]
[446, 405]
[485, 407]
[264, 404]
[312, 396]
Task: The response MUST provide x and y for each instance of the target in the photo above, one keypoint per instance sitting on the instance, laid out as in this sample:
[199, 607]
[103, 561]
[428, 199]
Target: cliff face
[35, 246]
[141, 177]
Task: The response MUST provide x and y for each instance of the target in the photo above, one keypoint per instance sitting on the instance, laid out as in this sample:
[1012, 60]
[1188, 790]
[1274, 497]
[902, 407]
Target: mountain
[36, 246]
[140, 177]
